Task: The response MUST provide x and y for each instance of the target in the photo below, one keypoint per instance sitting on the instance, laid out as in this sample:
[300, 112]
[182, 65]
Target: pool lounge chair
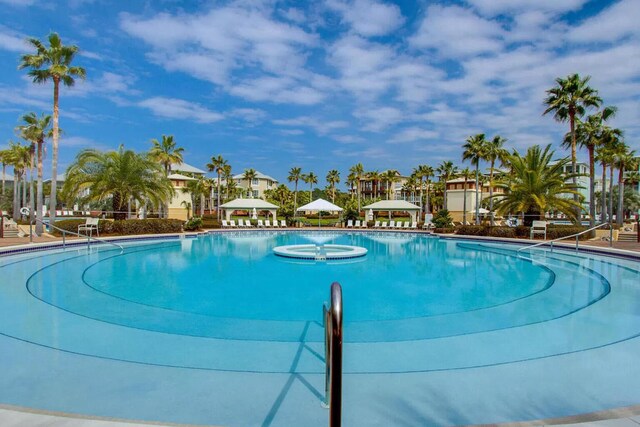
[428, 225]
[267, 223]
[364, 224]
[225, 224]
[357, 224]
[414, 225]
[377, 224]
[89, 225]
[232, 224]
[350, 223]
[247, 223]
[283, 223]
[407, 225]
[260, 224]
[392, 224]
[275, 224]
[383, 224]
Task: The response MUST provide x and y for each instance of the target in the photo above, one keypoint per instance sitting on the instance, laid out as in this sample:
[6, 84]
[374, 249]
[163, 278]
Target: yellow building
[455, 197]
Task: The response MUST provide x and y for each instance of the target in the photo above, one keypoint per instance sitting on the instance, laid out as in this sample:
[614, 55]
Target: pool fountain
[320, 252]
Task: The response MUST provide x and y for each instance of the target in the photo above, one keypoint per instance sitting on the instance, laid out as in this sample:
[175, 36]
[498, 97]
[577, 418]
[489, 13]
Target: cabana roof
[392, 205]
[320, 205]
[244, 204]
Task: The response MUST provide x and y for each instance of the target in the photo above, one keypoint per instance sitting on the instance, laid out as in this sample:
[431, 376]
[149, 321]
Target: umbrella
[320, 205]
[483, 211]
[254, 214]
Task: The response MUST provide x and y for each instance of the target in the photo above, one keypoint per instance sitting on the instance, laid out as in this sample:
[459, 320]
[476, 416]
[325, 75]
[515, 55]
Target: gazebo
[320, 205]
[395, 205]
[248, 205]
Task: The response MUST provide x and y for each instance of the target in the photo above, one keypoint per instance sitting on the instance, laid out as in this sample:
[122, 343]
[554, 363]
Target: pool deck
[11, 416]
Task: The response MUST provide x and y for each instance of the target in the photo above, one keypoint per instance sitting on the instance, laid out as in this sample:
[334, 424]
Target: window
[254, 181]
[255, 194]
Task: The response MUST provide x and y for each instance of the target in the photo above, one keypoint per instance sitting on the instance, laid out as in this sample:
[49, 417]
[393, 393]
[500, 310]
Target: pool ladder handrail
[65, 232]
[332, 316]
[576, 235]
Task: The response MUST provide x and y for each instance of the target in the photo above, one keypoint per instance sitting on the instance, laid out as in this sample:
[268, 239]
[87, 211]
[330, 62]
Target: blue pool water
[221, 316]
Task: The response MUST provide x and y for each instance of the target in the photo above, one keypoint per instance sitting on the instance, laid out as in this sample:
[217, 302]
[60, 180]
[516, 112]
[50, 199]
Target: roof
[184, 167]
[259, 175]
[320, 205]
[392, 205]
[249, 204]
[61, 177]
[177, 176]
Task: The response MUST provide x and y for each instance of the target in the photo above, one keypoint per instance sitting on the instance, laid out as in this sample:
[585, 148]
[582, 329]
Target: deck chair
[364, 224]
[414, 225]
[260, 224]
[241, 223]
[247, 223]
[89, 225]
[350, 223]
[383, 224]
[377, 224]
[267, 223]
[407, 225]
[538, 227]
[232, 224]
[225, 224]
[283, 223]
[392, 224]
[357, 224]
[275, 224]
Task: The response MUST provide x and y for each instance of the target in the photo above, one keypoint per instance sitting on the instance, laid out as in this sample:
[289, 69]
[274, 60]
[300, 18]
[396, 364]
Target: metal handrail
[65, 232]
[332, 316]
[576, 235]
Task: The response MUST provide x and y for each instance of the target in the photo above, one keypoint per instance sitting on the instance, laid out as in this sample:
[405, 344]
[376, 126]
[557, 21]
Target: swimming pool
[218, 330]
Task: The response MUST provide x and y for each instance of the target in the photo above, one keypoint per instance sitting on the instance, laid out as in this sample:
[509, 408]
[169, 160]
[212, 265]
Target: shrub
[193, 224]
[444, 230]
[556, 231]
[485, 230]
[501, 232]
[126, 227]
[523, 231]
[471, 230]
[209, 221]
[442, 219]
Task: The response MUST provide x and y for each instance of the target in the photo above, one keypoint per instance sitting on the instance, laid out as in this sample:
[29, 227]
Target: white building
[258, 185]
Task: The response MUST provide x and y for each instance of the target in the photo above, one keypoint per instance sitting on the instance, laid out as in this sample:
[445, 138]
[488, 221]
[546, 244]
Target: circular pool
[320, 252]
[216, 329]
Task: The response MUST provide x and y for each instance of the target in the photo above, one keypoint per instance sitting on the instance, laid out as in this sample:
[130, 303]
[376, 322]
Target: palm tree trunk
[201, 205]
[24, 188]
[477, 201]
[54, 162]
[464, 203]
[358, 189]
[576, 198]
[16, 198]
[218, 197]
[620, 214]
[32, 202]
[611, 192]
[4, 176]
[603, 210]
[428, 208]
[491, 192]
[592, 187]
[39, 228]
[295, 198]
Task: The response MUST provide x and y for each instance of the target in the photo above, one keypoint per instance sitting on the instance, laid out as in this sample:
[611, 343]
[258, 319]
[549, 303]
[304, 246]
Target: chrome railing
[332, 316]
[576, 235]
[65, 232]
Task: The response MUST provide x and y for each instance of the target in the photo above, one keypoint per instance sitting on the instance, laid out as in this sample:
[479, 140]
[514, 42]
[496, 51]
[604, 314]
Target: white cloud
[322, 127]
[615, 22]
[496, 7]
[414, 134]
[380, 118]
[173, 108]
[13, 41]
[277, 90]
[369, 17]
[458, 32]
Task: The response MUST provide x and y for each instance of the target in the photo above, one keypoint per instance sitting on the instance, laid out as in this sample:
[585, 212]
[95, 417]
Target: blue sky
[323, 84]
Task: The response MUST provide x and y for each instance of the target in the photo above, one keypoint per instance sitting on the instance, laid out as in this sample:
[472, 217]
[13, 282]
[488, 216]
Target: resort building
[456, 196]
[180, 206]
[258, 185]
[584, 181]
[370, 189]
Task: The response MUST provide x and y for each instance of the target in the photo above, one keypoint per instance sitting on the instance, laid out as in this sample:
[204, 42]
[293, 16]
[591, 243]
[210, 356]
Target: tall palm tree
[537, 186]
[494, 151]
[18, 156]
[166, 152]
[390, 177]
[351, 182]
[466, 174]
[358, 171]
[217, 165]
[333, 178]
[624, 158]
[474, 150]
[228, 179]
[423, 172]
[295, 174]
[446, 170]
[36, 129]
[121, 176]
[569, 100]
[591, 134]
[374, 177]
[53, 63]
[310, 178]
[249, 175]
[4, 159]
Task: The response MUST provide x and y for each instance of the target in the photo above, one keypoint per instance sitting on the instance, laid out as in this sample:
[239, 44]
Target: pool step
[627, 237]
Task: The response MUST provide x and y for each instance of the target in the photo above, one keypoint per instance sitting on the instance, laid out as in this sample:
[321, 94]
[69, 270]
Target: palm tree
[295, 174]
[474, 150]
[390, 177]
[351, 182]
[217, 164]
[623, 158]
[446, 170]
[249, 175]
[121, 176]
[568, 100]
[310, 178]
[358, 172]
[52, 63]
[466, 174]
[18, 156]
[333, 177]
[166, 152]
[421, 172]
[4, 159]
[374, 177]
[36, 130]
[228, 179]
[537, 186]
[591, 134]
[494, 151]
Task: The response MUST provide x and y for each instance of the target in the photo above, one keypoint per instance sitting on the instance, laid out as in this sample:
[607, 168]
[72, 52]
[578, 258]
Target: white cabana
[320, 205]
[395, 205]
[249, 205]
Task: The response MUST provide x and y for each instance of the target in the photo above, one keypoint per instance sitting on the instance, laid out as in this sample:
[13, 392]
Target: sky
[319, 85]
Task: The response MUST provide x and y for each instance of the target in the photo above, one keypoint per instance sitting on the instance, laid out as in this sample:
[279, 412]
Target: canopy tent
[395, 205]
[320, 205]
[248, 205]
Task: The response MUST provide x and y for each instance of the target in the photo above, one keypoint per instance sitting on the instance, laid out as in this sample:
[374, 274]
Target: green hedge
[444, 230]
[553, 231]
[125, 227]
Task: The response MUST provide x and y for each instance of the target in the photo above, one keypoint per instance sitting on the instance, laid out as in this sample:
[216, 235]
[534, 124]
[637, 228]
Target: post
[611, 235]
[333, 354]
[577, 240]
[31, 230]
[1, 226]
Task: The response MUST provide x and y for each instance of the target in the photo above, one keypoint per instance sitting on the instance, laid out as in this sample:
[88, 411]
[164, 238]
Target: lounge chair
[283, 223]
[232, 224]
[267, 223]
[225, 224]
[428, 225]
[364, 224]
[407, 225]
[241, 223]
[275, 224]
[357, 224]
[538, 227]
[260, 224]
[377, 224]
[414, 225]
[89, 225]
[383, 224]
[350, 223]
[392, 224]
[247, 223]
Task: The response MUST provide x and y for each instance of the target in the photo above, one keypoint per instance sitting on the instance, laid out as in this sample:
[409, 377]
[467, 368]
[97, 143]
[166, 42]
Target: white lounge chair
[283, 223]
[357, 224]
[240, 223]
[232, 224]
[275, 224]
[267, 223]
[247, 223]
[414, 225]
[350, 223]
[392, 224]
[225, 224]
[364, 224]
[260, 224]
[407, 225]
[538, 227]
[383, 224]
[428, 225]
[377, 224]
[89, 225]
